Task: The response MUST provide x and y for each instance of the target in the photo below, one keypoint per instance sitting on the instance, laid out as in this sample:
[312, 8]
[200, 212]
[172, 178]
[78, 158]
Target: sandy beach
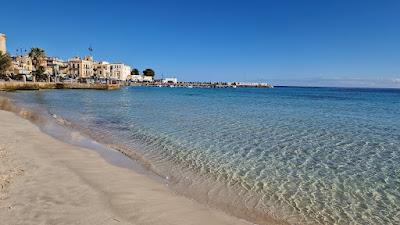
[46, 181]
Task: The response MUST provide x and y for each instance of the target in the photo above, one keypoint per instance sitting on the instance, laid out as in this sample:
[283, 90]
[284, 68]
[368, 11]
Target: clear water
[303, 155]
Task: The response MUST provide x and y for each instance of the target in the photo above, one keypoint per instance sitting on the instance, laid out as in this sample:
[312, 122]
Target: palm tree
[38, 56]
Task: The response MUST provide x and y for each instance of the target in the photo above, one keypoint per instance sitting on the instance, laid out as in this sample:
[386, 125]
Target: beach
[46, 181]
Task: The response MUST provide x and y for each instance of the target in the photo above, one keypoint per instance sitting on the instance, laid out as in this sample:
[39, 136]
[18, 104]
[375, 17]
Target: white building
[102, 70]
[169, 80]
[136, 78]
[119, 71]
[148, 78]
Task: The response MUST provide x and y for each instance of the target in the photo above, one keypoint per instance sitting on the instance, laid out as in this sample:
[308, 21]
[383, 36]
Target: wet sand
[46, 181]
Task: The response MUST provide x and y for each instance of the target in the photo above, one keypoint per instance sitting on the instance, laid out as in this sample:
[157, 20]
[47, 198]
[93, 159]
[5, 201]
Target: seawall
[12, 86]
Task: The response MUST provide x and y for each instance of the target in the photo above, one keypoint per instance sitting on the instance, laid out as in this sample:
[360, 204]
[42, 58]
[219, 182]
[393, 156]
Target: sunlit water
[309, 155]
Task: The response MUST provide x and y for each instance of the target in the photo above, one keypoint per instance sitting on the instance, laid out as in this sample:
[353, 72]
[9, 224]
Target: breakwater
[205, 85]
[11, 86]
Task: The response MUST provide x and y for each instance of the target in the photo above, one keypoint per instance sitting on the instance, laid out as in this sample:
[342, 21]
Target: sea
[292, 155]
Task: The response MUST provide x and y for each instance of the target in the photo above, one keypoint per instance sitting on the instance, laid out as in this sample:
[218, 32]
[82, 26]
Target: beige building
[3, 46]
[56, 66]
[102, 70]
[86, 68]
[82, 68]
[22, 65]
[120, 71]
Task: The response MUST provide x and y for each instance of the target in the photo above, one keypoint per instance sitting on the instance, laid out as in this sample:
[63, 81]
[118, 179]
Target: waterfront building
[82, 68]
[148, 78]
[3, 46]
[22, 64]
[136, 78]
[102, 70]
[56, 67]
[119, 71]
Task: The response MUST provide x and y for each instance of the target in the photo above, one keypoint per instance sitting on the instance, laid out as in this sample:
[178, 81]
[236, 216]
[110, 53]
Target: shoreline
[117, 155]
[49, 181]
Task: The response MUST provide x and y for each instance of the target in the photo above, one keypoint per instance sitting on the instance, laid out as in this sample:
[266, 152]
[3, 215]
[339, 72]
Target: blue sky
[309, 42]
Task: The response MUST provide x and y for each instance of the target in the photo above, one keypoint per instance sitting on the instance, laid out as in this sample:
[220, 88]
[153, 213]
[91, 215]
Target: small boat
[190, 86]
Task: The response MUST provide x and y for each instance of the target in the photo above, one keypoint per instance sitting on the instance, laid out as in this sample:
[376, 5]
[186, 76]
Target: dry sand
[46, 181]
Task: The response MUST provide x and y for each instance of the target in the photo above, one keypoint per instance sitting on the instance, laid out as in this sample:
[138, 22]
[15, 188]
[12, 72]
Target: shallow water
[309, 155]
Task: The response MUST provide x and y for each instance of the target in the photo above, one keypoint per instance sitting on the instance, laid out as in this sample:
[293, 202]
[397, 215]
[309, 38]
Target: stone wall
[10, 86]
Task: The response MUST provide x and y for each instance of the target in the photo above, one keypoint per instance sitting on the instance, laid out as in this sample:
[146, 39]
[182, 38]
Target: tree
[135, 71]
[40, 75]
[5, 64]
[149, 72]
[38, 57]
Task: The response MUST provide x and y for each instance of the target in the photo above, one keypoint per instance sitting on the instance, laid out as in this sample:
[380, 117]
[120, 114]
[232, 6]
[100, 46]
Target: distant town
[35, 66]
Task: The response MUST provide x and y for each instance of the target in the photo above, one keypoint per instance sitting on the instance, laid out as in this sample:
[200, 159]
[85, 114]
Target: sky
[288, 42]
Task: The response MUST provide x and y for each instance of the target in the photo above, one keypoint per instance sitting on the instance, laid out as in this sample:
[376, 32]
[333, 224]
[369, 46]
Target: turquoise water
[308, 155]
